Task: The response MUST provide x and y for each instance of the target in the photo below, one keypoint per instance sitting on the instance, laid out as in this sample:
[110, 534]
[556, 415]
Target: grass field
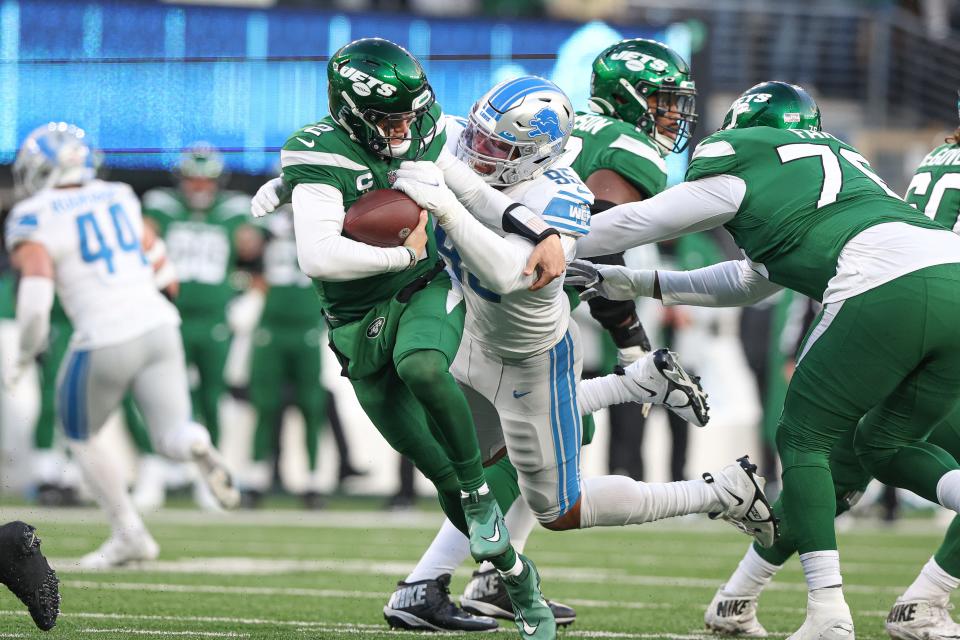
[291, 574]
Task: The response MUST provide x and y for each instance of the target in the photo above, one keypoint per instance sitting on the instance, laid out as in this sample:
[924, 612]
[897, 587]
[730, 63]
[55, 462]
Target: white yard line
[190, 634]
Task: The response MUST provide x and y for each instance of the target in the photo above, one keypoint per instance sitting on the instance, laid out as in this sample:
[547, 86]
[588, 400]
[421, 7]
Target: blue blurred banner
[146, 80]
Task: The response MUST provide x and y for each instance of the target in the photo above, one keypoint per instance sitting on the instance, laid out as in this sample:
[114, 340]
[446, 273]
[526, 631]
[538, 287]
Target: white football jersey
[524, 323]
[105, 282]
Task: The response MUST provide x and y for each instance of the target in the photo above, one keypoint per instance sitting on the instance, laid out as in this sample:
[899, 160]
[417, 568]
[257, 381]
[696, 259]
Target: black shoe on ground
[425, 605]
[313, 501]
[485, 595]
[54, 495]
[400, 502]
[25, 571]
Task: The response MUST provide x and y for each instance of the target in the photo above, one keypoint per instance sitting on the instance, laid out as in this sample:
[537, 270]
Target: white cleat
[216, 475]
[740, 490]
[922, 620]
[658, 378]
[733, 615]
[122, 548]
[826, 621]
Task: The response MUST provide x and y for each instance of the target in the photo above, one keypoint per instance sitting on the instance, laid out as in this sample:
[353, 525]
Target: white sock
[829, 599]
[102, 472]
[612, 501]
[257, 476]
[177, 444]
[48, 466]
[752, 575]
[520, 523]
[599, 393]
[483, 490]
[933, 583]
[515, 571]
[447, 552]
[948, 490]
[821, 568]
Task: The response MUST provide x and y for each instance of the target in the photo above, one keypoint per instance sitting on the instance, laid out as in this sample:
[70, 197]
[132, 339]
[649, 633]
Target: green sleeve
[161, 206]
[306, 160]
[714, 156]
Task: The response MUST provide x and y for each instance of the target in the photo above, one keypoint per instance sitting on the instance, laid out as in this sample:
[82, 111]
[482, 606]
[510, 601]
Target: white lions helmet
[53, 155]
[516, 131]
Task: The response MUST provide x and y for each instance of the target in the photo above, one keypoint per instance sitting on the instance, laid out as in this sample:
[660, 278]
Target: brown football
[383, 218]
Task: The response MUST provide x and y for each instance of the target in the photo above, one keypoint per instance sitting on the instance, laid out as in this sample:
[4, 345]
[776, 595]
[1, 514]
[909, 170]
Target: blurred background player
[86, 238]
[286, 360]
[208, 242]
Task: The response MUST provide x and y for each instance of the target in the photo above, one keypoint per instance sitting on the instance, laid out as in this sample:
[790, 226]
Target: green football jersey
[323, 153]
[935, 188]
[608, 143]
[291, 298]
[807, 194]
[201, 246]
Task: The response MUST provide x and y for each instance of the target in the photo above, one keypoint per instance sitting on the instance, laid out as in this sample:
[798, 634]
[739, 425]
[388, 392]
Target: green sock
[506, 561]
[809, 507]
[948, 555]
[785, 546]
[426, 375]
[502, 481]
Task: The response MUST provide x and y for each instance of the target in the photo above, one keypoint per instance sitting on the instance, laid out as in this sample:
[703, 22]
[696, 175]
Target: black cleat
[425, 605]
[484, 595]
[313, 501]
[25, 571]
[251, 499]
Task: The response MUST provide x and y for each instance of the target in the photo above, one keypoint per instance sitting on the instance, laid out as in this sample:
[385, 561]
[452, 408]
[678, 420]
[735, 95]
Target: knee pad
[422, 368]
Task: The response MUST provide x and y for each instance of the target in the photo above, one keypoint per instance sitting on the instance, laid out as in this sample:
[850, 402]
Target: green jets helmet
[640, 80]
[773, 104]
[379, 94]
[202, 160]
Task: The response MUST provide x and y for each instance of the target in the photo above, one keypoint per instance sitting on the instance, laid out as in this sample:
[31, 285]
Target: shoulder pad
[161, 199]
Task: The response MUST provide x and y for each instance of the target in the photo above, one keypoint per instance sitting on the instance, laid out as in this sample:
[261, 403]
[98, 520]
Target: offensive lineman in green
[923, 610]
[395, 319]
[810, 215]
[207, 236]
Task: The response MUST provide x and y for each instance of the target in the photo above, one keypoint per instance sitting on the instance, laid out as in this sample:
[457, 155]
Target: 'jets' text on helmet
[640, 81]
[516, 131]
[379, 93]
[773, 104]
[53, 155]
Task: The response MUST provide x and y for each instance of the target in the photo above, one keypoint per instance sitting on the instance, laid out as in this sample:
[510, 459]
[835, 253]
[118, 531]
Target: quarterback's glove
[270, 196]
[609, 281]
[424, 183]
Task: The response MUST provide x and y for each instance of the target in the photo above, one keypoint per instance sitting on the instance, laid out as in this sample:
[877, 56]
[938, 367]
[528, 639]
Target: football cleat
[922, 620]
[733, 615]
[489, 537]
[485, 595]
[533, 616]
[825, 621]
[216, 475]
[425, 605]
[122, 548]
[658, 378]
[740, 490]
[25, 571]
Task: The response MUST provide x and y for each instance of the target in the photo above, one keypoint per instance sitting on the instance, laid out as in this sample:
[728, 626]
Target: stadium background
[145, 79]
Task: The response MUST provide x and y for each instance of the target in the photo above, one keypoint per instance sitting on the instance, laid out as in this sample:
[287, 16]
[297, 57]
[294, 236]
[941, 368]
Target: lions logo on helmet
[516, 131]
[546, 123]
[53, 155]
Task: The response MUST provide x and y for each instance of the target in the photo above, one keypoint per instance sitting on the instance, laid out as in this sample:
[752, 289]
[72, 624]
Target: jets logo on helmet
[773, 104]
[379, 94]
[645, 83]
[516, 131]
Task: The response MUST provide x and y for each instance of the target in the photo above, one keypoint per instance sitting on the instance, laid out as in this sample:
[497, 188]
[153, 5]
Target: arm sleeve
[325, 254]
[493, 208]
[498, 262]
[728, 284]
[34, 301]
[685, 208]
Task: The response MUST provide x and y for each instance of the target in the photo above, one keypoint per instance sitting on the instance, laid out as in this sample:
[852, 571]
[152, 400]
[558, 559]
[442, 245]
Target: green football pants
[286, 356]
[60, 333]
[890, 356]
[206, 343]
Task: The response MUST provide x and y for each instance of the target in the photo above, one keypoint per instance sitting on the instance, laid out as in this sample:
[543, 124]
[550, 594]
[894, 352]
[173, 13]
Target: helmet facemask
[53, 155]
[402, 135]
[671, 114]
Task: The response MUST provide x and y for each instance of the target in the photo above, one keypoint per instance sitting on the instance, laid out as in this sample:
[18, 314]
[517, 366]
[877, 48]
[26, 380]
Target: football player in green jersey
[286, 352]
[643, 104]
[395, 319]
[208, 238]
[922, 611]
[810, 215]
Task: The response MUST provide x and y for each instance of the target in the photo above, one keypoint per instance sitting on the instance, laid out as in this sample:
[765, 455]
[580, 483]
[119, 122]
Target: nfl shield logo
[375, 327]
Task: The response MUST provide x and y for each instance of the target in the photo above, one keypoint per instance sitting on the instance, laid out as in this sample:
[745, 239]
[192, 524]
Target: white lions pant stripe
[529, 406]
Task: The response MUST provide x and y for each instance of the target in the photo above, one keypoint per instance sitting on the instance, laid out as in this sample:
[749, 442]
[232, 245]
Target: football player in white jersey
[85, 238]
[519, 361]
